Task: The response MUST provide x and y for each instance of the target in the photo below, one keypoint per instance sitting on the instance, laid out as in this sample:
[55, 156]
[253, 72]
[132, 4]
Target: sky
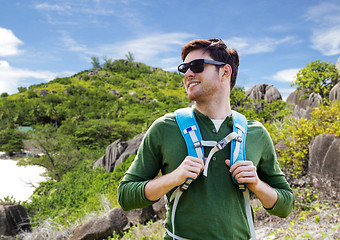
[41, 40]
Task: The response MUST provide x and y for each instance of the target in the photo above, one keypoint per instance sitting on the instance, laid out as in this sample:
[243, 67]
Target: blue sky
[42, 40]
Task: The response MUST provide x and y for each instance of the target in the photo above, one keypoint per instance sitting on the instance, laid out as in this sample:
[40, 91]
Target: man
[213, 206]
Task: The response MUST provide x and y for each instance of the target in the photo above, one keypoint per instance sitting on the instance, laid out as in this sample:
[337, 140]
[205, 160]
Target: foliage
[4, 94]
[11, 140]
[79, 191]
[324, 119]
[318, 77]
[130, 57]
[95, 62]
[150, 231]
[82, 103]
[60, 154]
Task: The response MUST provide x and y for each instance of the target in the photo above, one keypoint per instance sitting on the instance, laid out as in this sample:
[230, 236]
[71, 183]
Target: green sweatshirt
[213, 206]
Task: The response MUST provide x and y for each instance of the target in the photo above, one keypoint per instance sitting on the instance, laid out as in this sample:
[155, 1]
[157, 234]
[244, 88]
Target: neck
[214, 109]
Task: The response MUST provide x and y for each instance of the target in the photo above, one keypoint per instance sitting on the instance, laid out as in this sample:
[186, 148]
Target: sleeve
[270, 172]
[144, 168]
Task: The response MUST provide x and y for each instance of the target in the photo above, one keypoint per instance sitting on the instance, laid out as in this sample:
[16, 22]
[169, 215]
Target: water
[14, 179]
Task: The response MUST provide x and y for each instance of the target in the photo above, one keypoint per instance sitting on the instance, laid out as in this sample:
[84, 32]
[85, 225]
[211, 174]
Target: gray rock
[43, 92]
[303, 107]
[295, 99]
[264, 91]
[140, 216]
[159, 208]
[118, 152]
[114, 221]
[314, 100]
[13, 219]
[335, 93]
[116, 92]
[324, 161]
[337, 65]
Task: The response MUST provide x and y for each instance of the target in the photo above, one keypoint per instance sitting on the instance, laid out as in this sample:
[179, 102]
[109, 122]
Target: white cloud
[52, 7]
[9, 43]
[327, 41]
[324, 13]
[246, 46]
[11, 78]
[152, 49]
[73, 7]
[326, 31]
[287, 75]
[154, 46]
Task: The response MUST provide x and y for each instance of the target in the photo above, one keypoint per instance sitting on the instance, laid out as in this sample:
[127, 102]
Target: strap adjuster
[197, 144]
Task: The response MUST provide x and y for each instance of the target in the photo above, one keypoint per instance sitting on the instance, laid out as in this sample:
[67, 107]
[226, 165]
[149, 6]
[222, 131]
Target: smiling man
[212, 206]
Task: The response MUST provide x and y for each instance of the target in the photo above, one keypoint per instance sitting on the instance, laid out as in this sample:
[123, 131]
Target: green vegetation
[324, 119]
[318, 77]
[75, 118]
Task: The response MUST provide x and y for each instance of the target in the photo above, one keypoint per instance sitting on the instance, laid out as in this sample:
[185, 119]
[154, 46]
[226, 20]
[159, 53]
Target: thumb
[227, 162]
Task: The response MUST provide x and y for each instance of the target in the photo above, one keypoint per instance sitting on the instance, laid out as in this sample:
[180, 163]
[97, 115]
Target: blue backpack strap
[238, 152]
[192, 135]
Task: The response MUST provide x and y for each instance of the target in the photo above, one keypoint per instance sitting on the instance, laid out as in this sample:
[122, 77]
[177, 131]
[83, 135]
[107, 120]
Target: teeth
[193, 84]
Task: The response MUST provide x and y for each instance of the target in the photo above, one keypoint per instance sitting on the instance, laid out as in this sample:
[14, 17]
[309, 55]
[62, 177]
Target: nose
[189, 72]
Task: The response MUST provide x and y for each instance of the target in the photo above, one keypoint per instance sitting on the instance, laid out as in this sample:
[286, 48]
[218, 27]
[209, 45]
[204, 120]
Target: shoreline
[4, 156]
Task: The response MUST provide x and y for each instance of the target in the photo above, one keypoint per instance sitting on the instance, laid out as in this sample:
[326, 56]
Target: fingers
[243, 171]
[189, 168]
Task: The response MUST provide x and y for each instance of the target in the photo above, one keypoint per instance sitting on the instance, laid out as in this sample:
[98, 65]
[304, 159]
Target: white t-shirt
[217, 123]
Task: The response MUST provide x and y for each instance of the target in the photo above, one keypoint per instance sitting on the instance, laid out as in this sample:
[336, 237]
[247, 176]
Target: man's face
[204, 85]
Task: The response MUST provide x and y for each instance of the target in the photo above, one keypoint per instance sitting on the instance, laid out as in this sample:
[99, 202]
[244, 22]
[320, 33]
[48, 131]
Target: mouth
[193, 84]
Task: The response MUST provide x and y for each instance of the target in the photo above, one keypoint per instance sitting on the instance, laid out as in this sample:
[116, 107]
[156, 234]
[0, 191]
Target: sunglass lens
[183, 67]
[197, 66]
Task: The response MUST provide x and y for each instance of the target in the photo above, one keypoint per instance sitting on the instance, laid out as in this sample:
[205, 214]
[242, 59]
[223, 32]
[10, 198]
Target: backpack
[195, 145]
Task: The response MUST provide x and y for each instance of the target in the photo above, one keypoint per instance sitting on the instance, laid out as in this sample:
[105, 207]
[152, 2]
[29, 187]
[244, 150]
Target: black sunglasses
[197, 66]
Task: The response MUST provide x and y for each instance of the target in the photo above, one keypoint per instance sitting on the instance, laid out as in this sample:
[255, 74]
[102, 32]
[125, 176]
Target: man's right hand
[189, 168]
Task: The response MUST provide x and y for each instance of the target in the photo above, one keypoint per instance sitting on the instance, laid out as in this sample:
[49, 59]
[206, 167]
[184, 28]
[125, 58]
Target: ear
[226, 71]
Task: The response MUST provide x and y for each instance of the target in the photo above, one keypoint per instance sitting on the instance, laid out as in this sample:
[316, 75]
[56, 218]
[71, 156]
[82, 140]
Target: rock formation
[13, 219]
[117, 220]
[118, 152]
[334, 94]
[265, 92]
[324, 161]
[302, 106]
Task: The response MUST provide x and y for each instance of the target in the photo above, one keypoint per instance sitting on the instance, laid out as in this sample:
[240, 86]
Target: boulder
[116, 92]
[43, 92]
[13, 219]
[101, 228]
[116, 221]
[324, 161]
[335, 93]
[118, 152]
[303, 107]
[295, 99]
[140, 215]
[93, 72]
[159, 208]
[264, 91]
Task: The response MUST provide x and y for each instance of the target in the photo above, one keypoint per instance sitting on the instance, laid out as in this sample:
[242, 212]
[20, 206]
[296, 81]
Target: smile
[192, 84]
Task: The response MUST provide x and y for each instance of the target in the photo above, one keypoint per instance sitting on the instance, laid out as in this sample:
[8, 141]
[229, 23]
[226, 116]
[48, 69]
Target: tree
[4, 94]
[11, 140]
[60, 153]
[130, 56]
[22, 89]
[95, 62]
[318, 77]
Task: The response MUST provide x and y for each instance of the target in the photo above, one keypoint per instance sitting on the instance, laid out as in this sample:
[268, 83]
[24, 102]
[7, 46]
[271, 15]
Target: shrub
[298, 133]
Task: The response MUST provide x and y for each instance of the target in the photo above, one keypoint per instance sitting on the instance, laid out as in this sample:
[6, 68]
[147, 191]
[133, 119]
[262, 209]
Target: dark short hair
[218, 52]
